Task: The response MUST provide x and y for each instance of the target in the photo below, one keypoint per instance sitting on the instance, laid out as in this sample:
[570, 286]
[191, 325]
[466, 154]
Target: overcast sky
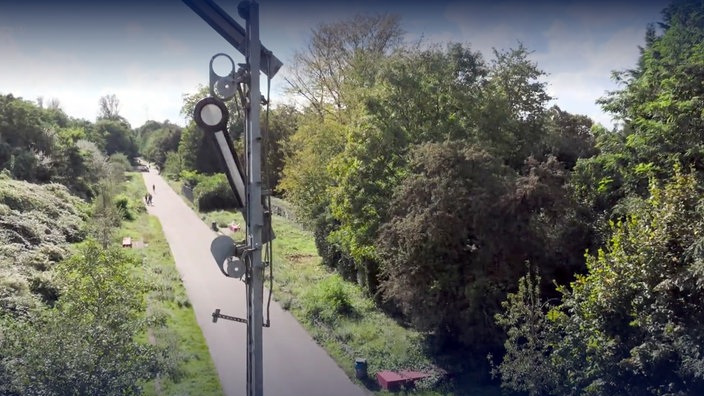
[149, 53]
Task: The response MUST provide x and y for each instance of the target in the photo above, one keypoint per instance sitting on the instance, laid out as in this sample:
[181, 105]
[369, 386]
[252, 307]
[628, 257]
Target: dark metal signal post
[241, 260]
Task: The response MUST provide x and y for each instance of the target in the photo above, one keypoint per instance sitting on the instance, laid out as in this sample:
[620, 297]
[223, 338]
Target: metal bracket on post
[233, 33]
[217, 315]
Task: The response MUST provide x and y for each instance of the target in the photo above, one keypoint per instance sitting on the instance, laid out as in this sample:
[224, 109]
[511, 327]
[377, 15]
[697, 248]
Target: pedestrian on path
[154, 188]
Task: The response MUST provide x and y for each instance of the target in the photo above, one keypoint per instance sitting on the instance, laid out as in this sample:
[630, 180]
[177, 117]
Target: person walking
[154, 188]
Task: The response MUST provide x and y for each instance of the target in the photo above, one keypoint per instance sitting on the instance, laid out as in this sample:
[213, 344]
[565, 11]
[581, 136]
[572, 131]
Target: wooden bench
[127, 242]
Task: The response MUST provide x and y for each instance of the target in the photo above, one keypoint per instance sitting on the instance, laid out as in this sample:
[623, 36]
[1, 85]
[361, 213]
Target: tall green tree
[419, 95]
[114, 136]
[434, 245]
[661, 109]
[197, 152]
[325, 74]
[631, 325]
[514, 107]
[161, 141]
[23, 124]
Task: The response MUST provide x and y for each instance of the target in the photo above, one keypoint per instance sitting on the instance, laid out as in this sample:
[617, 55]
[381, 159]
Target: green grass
[193, 370]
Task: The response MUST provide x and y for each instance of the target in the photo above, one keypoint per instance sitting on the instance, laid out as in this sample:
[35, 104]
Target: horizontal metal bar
[232, 32]
[217, 315]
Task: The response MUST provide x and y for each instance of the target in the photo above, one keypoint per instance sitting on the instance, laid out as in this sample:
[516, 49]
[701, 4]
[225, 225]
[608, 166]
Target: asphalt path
[294, 364]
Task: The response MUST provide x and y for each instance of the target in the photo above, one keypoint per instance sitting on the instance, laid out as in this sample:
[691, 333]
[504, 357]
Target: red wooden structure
[392, 380]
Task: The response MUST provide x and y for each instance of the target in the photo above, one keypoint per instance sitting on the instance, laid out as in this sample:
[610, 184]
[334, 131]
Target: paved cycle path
[294, 364]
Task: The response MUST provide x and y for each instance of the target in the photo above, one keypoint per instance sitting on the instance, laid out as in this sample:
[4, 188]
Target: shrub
[124, 205]
[632, 324]
[172, 166]
[327, 300]
[190, 178]
[213, 193]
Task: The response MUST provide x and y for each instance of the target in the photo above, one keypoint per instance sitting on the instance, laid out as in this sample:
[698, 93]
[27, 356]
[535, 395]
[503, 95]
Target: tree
[339, 55]
[235, 124]
[161, 141]
[526, 364]
[282, 124]
[23, 126]
[365, 174]
[89, 339]
[514, 114]
[429, 95]
[318, 73]
[571, 136]
[439, 244]
[661, 109]
[114, 136]
[109, 107]
[197, 151]
[631, 325]
[416, 96]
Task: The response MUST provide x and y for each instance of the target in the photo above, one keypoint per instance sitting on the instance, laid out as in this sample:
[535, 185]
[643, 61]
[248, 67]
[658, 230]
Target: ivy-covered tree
[461, 226]
[437, 245]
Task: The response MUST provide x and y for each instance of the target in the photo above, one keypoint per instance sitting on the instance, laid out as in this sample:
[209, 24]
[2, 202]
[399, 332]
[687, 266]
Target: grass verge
[193, 371]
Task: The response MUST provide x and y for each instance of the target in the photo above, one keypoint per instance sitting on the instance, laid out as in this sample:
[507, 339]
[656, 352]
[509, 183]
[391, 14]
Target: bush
[123, 204]
[632, 324]
[190, 178]
[327, 300]
[331, 253]
[213, 193]
[172, 166]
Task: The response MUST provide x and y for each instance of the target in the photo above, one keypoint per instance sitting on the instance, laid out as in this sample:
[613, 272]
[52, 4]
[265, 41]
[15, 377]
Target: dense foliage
[87, 343]
[434, 177]
[632, 323]
[430, 176]
[36, 224]
[72, 312]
